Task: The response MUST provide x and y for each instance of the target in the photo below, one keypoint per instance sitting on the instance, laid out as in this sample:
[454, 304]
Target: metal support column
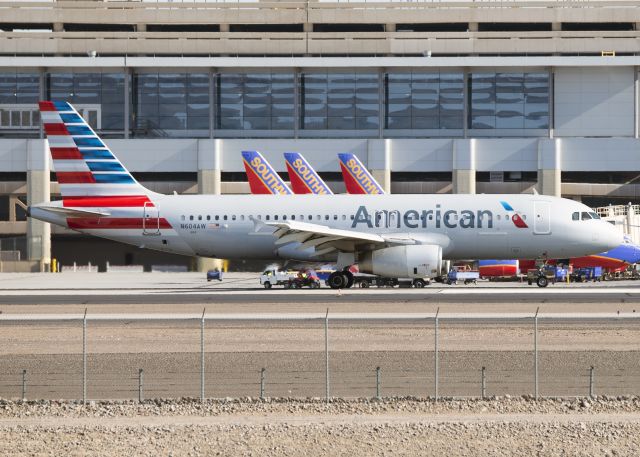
[140, 382]
[465, 103]
[378, 383]
[435, 356]
[326, 356]
[484, 383]
[381, 104]
[297, 102]
[535, 353]
[202, 356]
[262, 376]
[212, 103]
[24, 384]
[84, 357]
[591, 382]
[127, 103]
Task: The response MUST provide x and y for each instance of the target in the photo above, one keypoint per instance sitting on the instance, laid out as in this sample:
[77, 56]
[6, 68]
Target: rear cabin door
[150, 220]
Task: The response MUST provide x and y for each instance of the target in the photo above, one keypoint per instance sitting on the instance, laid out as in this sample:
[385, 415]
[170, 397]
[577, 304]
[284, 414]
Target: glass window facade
[19, 88]
[255, 101]
[102, 92]
[509, 101]
[174, 104]
[339, 101]
[424, 101]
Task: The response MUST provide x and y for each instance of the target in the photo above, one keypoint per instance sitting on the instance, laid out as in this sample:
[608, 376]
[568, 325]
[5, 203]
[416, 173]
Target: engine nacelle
[413, 261]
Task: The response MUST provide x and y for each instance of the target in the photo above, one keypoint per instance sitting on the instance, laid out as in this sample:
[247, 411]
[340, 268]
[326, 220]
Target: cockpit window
[575, 216]
[585, 216]
[594, 216]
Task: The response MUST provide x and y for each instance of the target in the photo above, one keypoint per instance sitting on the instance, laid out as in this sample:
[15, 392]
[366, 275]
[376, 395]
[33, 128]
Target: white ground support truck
[270, 278]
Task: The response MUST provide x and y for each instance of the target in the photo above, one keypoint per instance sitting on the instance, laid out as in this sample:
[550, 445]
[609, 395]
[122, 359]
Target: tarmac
[152, 321]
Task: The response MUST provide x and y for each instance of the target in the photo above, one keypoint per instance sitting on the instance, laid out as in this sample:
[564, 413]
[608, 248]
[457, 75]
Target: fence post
[140, 381]
[484, 383]
[84, 358]
[262, 383]
[535, 353]
[24, 385]
[326, 356]
[202, 356]
[378, 383]
[436, 367]
[591, 382]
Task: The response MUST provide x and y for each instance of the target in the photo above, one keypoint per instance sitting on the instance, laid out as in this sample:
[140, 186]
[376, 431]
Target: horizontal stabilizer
[73, 212]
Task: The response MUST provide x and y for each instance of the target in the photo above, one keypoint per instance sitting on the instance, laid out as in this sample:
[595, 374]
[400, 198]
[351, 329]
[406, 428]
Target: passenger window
[182, 217]
[344, 218]
[506, 218]
[242, 217]
[575, 216]
[200, 217]
[310, 217]
[326, 217]
[268, 217]
[335, 217]
[293, 216]
[498, 217]
[524, 217]
[275, 218]
[233, 218]
[225, 217]
[217, 218]
[208, 217]
[190, 218]
[319, 217]
[260, 216]
[352, 217]
[585, 216]
[284, 217]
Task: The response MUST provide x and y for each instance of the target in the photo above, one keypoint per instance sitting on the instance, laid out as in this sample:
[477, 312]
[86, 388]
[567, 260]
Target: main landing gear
[340, 279]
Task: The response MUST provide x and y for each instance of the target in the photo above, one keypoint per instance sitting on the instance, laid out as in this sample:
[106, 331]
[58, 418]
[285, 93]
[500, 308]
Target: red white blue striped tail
[87, 171]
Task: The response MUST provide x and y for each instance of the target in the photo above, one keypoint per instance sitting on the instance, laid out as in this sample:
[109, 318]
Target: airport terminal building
[434, 97]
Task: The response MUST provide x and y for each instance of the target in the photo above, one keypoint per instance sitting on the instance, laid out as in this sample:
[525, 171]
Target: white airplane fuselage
[465, 226]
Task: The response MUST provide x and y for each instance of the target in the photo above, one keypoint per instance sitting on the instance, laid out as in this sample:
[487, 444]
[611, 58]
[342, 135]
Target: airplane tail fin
[262, 178]
[304, 179]
[356, 177]
[88, 172]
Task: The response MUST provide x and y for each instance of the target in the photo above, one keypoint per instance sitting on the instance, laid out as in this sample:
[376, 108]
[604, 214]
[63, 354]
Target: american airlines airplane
[390, 235]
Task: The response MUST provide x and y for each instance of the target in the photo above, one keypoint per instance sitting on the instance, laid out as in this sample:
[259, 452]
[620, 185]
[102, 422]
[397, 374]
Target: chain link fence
[217, 356]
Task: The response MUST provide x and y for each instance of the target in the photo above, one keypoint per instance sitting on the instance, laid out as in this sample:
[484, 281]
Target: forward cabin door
[542, 218]
[150, 220]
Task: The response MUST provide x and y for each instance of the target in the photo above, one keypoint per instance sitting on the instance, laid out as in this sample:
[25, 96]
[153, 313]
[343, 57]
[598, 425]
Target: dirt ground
[500, 427]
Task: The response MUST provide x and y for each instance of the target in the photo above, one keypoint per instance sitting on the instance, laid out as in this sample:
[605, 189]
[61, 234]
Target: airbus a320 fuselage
[401, 235]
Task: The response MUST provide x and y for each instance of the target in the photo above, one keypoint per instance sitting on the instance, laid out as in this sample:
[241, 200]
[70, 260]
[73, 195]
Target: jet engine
[413, 261]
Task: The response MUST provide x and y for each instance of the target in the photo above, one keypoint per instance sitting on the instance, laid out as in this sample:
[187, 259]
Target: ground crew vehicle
[587, 274]
[546, 274]
[304, 279]
[462, 274]
[270, 278]
[214, 274]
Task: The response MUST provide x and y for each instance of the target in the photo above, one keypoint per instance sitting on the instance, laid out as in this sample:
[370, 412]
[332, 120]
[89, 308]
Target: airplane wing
[325, 239]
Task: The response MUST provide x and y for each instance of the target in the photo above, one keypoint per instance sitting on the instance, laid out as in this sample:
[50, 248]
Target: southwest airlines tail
[88, 172]
[262, 178]
[356, 176]
[304, 179]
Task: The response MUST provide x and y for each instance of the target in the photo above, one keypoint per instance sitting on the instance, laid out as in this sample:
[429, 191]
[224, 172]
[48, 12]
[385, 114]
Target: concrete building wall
[594, 102]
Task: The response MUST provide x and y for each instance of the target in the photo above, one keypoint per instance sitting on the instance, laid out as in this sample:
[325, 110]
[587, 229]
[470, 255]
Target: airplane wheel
[337, 280]
[349, 277]
[542, 281]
